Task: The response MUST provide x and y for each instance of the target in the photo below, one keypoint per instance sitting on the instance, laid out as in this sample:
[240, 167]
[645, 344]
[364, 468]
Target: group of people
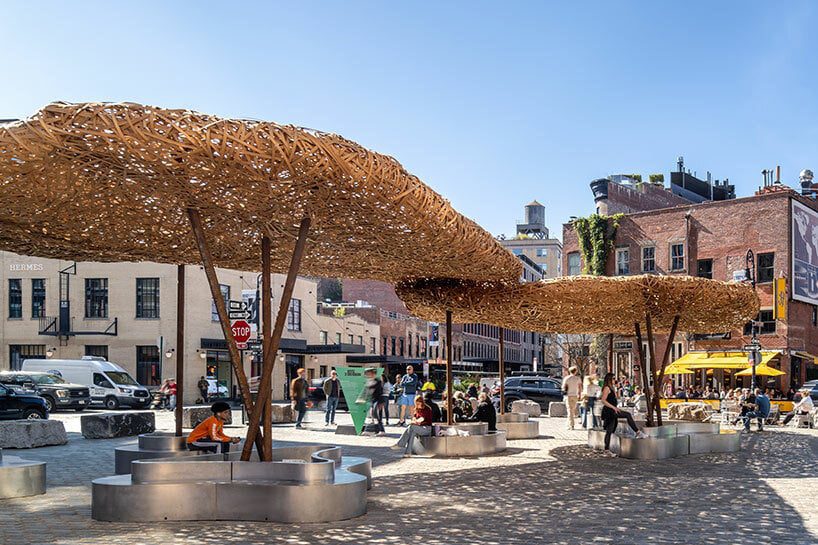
[167, 394]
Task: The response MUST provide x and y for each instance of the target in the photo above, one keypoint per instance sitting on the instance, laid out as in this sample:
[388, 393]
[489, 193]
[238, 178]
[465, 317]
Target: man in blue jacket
[410, 384]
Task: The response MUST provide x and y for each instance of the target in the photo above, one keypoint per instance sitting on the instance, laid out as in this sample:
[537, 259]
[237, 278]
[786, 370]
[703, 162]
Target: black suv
[540, 389]
[14, 406]
[58, 393]
[318, 397]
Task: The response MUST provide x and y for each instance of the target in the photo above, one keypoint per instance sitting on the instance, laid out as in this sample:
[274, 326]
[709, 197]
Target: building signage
[353, 383]
[25, 267]
[781, 299]
[434, 334]
[804, 253]
[623, 345]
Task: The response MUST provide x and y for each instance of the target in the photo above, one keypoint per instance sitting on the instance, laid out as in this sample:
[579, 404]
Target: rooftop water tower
[534, 224]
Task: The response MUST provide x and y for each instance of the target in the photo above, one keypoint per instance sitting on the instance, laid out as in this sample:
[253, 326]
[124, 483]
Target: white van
[108, 383]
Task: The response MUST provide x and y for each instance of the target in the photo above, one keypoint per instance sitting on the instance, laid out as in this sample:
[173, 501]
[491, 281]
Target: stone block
[526, 406]
[557, 409]
[31, 433]
[196, 414]
[283, 413]
[123, 424]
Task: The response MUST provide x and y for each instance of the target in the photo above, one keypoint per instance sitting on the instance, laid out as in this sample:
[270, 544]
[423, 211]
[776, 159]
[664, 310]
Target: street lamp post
[755, 345]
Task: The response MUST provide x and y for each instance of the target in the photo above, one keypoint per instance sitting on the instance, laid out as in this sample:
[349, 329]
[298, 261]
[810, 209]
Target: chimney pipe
[778, 174]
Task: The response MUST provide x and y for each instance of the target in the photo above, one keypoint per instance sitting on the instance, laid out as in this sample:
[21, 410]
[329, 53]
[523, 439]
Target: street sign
[254, 344]
[241, 333]
[236, 305]
[238, 314]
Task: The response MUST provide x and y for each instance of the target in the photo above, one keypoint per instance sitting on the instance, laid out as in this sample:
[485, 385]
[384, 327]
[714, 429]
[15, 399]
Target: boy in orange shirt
[210, 433]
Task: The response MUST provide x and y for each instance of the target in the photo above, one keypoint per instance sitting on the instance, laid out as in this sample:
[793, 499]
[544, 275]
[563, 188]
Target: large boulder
[31, 433]
[124, 424]
[526, 406]
[557, 409]
[196, 414]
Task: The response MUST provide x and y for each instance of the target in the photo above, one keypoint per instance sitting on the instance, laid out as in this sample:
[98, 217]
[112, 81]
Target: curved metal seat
[480, 444]
[19, 477]
[518, 426]
[311, 483]
[669, 441]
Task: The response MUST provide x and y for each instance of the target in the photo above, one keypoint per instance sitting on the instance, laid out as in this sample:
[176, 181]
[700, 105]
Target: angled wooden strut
[221, 310]
[266, 331]
[271, 346]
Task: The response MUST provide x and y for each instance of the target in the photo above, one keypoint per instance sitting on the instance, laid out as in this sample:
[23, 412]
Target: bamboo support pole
[221, 308]
[649, 395]
[502, 364]
[449, 385]
[642, 367]
[271, 346]
[180, 347]
[661, 377]
[266, 332]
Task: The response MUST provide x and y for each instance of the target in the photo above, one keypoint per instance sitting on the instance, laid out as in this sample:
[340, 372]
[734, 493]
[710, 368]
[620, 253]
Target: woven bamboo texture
[112, 182]
[587, 304]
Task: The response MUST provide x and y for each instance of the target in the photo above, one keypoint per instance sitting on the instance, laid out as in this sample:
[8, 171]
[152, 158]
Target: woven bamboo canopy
[112, 182]
[587, 304]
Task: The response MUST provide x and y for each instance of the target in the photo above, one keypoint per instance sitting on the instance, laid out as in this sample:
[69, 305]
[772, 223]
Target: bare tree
[574, 350]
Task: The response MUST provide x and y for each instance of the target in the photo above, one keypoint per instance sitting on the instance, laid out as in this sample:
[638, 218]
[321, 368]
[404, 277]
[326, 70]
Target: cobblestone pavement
[549, 490]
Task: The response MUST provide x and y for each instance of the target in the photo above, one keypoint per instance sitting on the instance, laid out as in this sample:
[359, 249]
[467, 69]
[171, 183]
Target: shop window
[148, 365]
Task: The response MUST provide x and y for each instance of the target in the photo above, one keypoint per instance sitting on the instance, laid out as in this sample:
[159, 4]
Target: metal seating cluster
[668, 441]
[19, 477]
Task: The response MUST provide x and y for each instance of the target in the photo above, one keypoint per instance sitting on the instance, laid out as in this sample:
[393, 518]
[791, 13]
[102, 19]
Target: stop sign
[241, 331]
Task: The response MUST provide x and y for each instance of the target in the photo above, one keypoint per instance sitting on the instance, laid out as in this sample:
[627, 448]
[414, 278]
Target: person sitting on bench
[209, 434]
[802, 407]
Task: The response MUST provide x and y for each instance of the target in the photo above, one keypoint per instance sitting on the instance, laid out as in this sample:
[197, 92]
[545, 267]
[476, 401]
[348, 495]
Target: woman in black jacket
[485, 412]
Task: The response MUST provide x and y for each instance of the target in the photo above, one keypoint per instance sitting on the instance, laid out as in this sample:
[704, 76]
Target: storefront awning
[719, 360]
[807, 356]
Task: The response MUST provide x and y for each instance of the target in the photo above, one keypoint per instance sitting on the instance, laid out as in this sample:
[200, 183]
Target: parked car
[540, 389]
[318, 397]
[812, 386]
[57, 393]
[16, 406]
[110, 384]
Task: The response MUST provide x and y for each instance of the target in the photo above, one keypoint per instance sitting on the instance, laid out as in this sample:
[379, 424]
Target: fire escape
[62, 326]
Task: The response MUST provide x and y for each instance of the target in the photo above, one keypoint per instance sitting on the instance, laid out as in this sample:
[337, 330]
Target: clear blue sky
[493, 104]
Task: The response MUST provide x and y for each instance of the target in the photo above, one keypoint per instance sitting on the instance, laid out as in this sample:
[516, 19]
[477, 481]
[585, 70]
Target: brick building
[711, 239]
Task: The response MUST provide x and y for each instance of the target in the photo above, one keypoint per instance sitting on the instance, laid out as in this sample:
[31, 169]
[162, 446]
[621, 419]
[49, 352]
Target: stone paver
[547, 490]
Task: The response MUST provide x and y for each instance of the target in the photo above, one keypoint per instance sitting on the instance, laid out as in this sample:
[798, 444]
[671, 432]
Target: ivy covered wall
[596, 235]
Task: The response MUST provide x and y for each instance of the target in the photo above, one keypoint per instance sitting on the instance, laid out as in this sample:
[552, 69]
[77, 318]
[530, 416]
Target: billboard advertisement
[804, 253]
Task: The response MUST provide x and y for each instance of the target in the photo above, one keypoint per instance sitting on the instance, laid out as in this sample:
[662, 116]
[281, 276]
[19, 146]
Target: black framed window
[214, 314]
[394, 343]
[294, 315]
[649, 259]
[372, 342]
[766, 268]
[147, 298]
[20, 352]
[96, 297]
[37, 297]
[814, 315]
[322, 337]
[401, 341]
[337, 338]
[704, 268]
[623, 258]
[677, 257]
[767, 326]
[15, 298]
[383, 346]
[98, 350]
[148, 365]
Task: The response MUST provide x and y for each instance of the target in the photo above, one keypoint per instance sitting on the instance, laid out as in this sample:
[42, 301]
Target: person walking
[419, 426]
[803, 407]
[590, 394]
[571, 389]
[299, 389]
[611, 413]
[203, 385]
[410, 384]
[209, 434]
[373, 393]
[332, 390]
[387, 391]
[171, 393]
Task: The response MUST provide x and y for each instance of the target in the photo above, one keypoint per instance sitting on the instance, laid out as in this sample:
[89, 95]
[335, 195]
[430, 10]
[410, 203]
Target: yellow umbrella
[764, 370]
[674, 369]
